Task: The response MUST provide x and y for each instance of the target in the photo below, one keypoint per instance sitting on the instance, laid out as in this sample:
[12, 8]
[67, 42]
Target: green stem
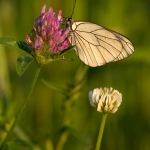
[62, 140]
[99, 139]
[73, 94]
[22, 109]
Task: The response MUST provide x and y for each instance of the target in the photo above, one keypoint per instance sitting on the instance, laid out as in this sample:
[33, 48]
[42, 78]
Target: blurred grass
[129, 128]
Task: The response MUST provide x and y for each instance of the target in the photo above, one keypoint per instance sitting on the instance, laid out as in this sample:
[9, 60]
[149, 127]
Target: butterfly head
[69, 22]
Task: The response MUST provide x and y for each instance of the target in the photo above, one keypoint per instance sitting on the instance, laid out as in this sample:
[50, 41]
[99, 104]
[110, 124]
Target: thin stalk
[62, 140]
[101, 130]
[17, 117]
[73, 94]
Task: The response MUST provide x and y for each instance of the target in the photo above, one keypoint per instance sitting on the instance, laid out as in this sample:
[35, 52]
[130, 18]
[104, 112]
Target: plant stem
[99, 139]
[22, 109]
[73, 94]
[62, 140]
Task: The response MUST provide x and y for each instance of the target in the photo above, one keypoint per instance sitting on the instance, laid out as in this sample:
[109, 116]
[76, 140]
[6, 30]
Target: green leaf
[65, 59]
[75, 133]
[24, 46]
[23, 143]
[55, 86]
[19, 144]
[13, 43]
[9, 41]
[23, 62]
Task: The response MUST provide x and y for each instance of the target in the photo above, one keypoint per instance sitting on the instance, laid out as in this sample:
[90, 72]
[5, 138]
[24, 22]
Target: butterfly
[96, 45]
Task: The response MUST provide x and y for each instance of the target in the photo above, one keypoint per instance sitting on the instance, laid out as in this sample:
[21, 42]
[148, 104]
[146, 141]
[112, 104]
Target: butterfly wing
[96, 45]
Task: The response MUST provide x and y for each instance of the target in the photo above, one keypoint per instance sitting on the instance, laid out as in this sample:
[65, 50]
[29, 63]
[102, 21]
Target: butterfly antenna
[73, 8]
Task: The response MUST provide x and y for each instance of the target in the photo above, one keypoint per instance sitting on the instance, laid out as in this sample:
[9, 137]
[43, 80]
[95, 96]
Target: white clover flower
[106, 100]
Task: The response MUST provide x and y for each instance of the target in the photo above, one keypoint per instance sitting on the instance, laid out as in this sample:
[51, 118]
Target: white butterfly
[96, 45]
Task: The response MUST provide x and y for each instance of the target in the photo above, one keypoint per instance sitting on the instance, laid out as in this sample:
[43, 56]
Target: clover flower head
[47, 37]
[106, 100]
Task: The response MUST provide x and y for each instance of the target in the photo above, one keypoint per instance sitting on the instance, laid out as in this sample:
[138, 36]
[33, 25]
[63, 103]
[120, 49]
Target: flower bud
[106, 100]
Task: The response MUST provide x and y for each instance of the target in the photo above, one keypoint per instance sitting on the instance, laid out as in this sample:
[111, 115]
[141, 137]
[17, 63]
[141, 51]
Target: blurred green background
[129, 128]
